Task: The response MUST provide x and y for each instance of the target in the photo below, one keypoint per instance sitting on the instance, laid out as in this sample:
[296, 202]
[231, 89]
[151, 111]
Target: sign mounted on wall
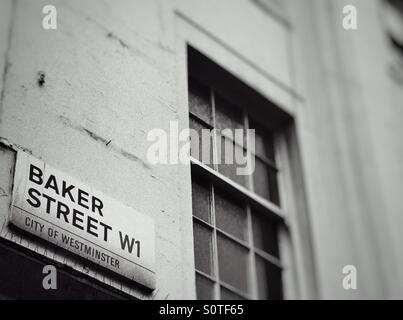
[74, 216]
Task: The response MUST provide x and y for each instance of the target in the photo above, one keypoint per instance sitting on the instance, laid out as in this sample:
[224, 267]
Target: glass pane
[231, 157]
[232, 262]
[204, 288]
[201, 143]
[265, 234]
[265, 181]
[230, 216]
[229, 295]
[203, 248]
[200, 100]
[227, 115]
[201, 200]
[264, 145]
[269, 280]
[274, 194]
[261, 182]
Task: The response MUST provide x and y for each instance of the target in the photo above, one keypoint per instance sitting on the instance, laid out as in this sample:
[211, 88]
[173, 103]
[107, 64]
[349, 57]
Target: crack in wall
[115, 37]
[106, 142]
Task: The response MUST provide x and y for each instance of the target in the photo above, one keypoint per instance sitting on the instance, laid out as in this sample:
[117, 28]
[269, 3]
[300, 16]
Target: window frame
[252, 200]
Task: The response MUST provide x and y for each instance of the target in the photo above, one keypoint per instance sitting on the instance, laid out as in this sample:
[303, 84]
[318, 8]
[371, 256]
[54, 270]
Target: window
[397, 4]
[236, 218]
[393, 16]
[394, 20]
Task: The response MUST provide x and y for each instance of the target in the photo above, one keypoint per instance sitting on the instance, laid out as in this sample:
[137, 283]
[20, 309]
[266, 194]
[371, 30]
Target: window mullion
[214, 142]
[253, 287]
[217, 293]
[248, 151]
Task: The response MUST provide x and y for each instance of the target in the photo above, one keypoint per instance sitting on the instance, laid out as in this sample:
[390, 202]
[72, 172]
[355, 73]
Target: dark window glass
[261, 182]
[232, 262]
[274, 194]
[230, 216]
[231, 158]
[227, 115]
[397, 4]
[201, 144]
[264, 145]
[269, 280]
[200, 101]
[205, 288]
[201, 200]
[265, 236]
[265, 181]
[203, 248]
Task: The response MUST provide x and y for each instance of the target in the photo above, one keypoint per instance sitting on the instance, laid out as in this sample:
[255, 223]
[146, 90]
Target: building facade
[325, 103]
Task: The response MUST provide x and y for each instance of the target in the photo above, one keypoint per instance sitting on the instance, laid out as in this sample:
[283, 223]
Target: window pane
[227, 115]
[204, 288]
[232, 262]
[201, 200]
[274, 194]
[230, 216]
[201, 143]
[200, 100]
[261, 182]
[265, 181]
[269, 280]
[230, 155]
[229, 295]
[203, 248]
[264, 145]
[265, 234]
